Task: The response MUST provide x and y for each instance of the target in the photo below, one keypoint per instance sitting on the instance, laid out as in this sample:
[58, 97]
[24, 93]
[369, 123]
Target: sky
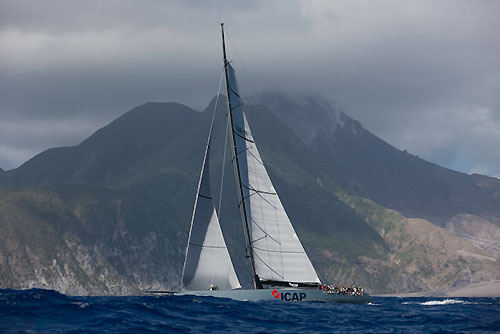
[422, 75]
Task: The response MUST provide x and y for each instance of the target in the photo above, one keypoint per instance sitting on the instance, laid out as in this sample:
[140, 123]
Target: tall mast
[236, 166]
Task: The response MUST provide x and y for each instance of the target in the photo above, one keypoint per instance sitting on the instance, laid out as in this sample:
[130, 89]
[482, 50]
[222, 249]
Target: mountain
[83, 241]
[111, 215]
[375, 169]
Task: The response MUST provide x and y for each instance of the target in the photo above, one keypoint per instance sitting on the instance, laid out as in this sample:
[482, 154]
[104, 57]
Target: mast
[236, 166]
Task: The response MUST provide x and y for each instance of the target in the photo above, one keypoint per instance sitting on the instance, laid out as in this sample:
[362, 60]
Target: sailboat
[281, 269]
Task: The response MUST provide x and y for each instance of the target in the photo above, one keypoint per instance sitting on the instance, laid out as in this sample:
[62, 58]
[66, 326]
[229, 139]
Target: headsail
[207, 263]
[277, 254]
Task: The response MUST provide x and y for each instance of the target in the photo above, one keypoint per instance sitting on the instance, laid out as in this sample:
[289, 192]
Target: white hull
[282, 295]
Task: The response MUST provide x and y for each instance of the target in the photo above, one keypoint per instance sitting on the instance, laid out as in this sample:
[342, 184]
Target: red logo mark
[276, 294]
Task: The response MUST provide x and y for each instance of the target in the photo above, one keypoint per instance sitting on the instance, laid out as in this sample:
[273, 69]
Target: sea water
[44, 311]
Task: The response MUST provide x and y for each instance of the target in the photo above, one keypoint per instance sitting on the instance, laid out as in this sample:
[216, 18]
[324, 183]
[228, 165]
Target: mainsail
[207, 264]
[274, 248]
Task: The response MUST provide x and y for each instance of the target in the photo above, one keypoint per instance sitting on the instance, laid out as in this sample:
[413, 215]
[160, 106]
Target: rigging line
[213, 117]
[207, 148]
[224, 159]
[257, 93]
[270, 221]
[204, 246]
[242, 137]
[239, 105]
[266, 234]
[249, 196]
[259, 98]
[264, 263]
[258, 160]
[238, 95]
[238, 153]
[279, 236]
[261, 207]
[259, 193]
[249, 187]
[277, 251]
[245, 69]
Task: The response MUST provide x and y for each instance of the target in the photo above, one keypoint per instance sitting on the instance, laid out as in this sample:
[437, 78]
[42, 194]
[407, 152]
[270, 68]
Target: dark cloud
[423, 75]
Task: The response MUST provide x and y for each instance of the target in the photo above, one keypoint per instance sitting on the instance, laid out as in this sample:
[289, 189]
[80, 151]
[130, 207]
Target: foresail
[277, 251]
[207, 260]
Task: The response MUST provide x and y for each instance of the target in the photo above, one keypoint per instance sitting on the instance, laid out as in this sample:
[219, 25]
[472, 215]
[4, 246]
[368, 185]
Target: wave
[45, 311]
[444, 302]
[81, 304]
[440, 302]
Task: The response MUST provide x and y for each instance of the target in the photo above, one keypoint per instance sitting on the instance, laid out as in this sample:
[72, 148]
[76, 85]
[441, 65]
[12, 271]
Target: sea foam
[444, 302]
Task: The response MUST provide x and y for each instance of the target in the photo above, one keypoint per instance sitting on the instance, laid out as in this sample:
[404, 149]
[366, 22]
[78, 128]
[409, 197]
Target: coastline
[483, 289]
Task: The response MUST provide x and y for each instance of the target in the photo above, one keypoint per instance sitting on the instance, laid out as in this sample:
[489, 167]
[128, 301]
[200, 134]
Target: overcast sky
[422, 75]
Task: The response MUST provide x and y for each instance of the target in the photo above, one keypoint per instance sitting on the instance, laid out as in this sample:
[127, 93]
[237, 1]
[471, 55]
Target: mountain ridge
[149, 159]
[396, 179]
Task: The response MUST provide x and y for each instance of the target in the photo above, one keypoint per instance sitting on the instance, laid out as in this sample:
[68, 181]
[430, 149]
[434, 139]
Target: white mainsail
[207, 263]
[277, 252]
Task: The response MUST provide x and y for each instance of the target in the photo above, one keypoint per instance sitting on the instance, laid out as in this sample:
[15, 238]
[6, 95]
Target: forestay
[277, 251]
[207, 261]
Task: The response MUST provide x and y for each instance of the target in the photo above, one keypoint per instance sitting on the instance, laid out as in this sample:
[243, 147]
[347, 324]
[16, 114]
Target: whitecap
[444, 302]
[81, 305]
[149, 306]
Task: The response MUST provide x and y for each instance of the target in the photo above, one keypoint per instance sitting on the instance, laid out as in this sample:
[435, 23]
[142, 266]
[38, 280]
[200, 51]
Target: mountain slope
[106, 157]
[431, 256]
[154, 152]
[377, 170]
[68, 204]
[86, 241]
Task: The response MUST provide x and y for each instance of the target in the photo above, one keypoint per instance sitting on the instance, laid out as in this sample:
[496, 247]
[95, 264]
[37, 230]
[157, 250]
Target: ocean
[45, 311]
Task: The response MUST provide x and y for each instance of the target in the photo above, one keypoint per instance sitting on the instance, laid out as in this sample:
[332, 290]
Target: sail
[277, 252]
[207, 262]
